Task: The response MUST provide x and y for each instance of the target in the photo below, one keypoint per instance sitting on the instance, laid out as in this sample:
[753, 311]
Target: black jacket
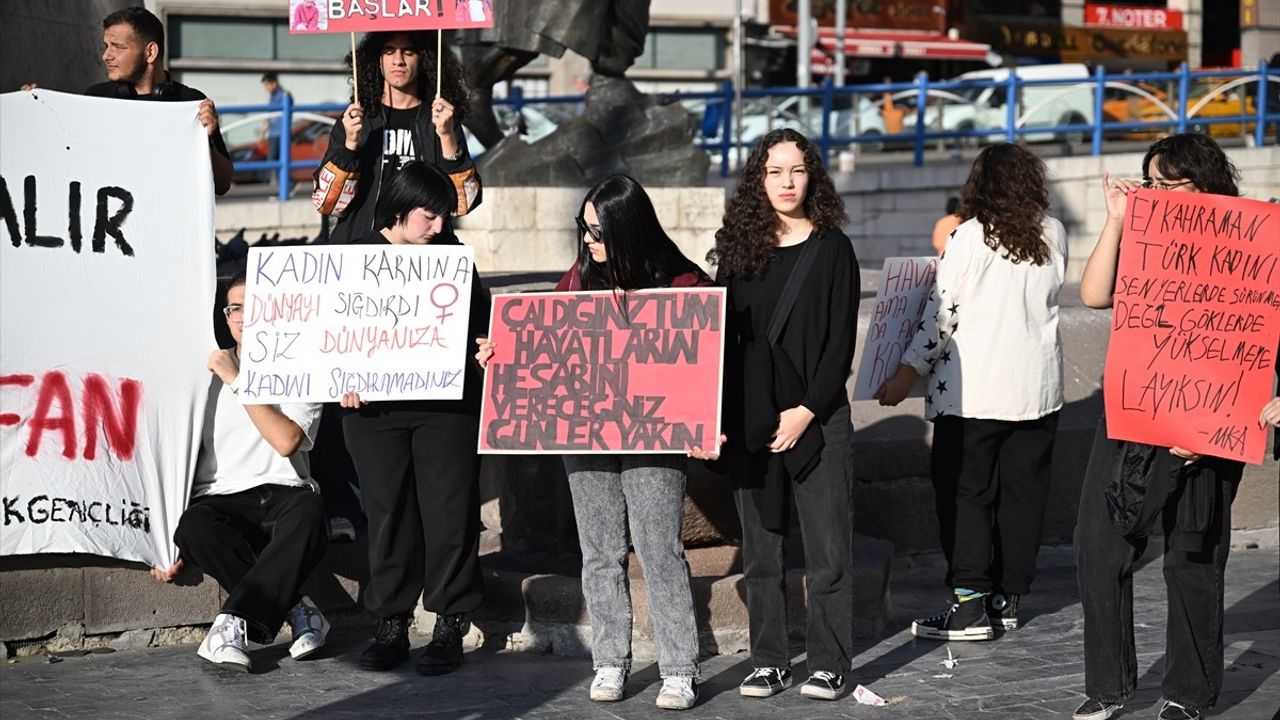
[358, 219]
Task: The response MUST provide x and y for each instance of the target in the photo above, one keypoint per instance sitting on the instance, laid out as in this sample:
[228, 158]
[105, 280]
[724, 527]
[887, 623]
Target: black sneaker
[962, 621]
[390, 645]
[443, 654]
[1174, 711]
[823, 685]
[1096, 710]
[765, 682]
[1002, 610]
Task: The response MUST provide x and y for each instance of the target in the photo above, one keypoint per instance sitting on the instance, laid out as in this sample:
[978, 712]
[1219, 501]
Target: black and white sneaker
[1096, 710]
[823, 685]
[1177, 711]
[964, 620]
[1002, 610]
[765, 682]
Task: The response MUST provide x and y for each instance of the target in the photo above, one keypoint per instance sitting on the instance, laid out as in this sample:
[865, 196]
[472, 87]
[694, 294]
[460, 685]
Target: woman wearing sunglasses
[624, 248]
[1129, 487]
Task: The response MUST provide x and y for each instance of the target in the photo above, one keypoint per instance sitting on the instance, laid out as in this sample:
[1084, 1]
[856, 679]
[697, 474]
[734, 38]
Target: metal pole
[1260, 130]
[284, 151]
[739, 78]
[1099, 86]
[841, 21]
[804, 43]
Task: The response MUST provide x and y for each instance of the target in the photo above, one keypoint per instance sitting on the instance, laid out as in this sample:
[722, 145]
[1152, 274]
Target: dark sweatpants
[419, 480]
[991, 482]
[260, 545]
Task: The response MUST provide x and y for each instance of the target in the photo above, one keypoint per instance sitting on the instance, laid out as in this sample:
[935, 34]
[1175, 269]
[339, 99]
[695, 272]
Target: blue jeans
[646, 492]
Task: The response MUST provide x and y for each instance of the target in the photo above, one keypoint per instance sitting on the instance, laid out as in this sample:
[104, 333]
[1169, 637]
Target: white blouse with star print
[988, 344]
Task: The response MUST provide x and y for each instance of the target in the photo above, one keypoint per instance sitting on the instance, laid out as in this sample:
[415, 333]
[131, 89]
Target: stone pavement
[1031, 673]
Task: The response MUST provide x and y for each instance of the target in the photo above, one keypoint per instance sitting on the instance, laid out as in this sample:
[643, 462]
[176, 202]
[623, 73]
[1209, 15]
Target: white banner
[106, 268]
[386, 321]
[905, 285]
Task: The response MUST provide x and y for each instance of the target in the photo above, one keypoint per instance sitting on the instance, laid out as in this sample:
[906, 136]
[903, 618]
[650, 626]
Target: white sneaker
[678, 693]
[226, 643]
[310, 628]
[341, 530]
[607, 687]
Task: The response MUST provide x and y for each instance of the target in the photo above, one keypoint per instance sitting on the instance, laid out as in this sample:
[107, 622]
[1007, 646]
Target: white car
[984, 108]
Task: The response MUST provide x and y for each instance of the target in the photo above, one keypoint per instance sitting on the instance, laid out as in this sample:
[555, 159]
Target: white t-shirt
[234, 456]
[988, 343]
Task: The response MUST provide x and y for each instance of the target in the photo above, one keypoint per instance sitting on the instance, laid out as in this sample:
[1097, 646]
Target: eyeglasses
[233, 311]
[1162, 184]
[585, 230]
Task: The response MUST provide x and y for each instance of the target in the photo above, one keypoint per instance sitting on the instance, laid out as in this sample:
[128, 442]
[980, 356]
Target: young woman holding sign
[1129, 486]
[418, 468]
[793, 306]
[989, 351]
[624, 248]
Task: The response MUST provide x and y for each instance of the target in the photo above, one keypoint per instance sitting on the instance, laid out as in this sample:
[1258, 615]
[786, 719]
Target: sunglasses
[584, 230]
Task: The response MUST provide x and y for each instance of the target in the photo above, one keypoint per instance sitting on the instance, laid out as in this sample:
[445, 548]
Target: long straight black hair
[638, 252]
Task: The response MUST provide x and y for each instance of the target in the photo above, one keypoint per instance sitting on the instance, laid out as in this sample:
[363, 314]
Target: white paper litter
[866, 697]
[951, 660]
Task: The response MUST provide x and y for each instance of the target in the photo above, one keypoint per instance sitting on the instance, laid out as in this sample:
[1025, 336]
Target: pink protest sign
[352, 16]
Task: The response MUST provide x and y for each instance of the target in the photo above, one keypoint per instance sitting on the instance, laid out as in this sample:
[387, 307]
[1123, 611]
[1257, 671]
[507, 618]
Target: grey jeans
[646, 492]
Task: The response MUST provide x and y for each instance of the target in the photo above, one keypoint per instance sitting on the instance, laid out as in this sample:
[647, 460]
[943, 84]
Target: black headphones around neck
[159, 91]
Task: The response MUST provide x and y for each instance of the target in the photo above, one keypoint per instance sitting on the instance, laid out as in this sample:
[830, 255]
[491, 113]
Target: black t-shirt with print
[398, 144]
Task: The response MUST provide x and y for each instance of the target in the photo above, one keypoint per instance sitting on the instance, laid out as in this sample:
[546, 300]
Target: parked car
[1234, 102]
[309, 141]
[983, 108]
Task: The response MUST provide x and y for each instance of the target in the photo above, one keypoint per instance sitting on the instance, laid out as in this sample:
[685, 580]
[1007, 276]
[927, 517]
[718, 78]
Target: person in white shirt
[256, 523]
[991, 358]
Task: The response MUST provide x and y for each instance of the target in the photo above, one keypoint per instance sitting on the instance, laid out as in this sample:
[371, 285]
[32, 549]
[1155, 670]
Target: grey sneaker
[607, 687]
[226, 644]
[310, 629]
[678, 693]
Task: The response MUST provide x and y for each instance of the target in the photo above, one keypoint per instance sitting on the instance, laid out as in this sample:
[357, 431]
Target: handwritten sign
[595, 372]
[1195, 323]
[105, 330]
[352, 16]
[386, 321]
[904, 291]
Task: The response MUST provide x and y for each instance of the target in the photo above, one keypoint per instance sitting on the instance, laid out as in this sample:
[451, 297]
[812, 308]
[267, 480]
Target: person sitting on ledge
[256, 522]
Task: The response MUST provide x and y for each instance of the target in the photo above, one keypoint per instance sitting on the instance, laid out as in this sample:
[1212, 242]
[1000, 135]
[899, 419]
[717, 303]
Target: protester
[133, 53]
[271, 129]
[1129, 487]
[946, 225]
[418, 468]
[256, 523]
[390, 124]
[624, 248]
[793, 297]
[989, 350]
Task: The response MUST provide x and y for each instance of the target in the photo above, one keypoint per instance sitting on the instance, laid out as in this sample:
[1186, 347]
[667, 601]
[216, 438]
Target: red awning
[887, 44]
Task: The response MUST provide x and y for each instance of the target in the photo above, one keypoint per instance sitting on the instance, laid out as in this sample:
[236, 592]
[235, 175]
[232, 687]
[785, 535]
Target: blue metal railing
[918, 136]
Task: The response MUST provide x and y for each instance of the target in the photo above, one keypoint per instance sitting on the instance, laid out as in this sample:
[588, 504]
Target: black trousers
[991, 483]
[1106, 559]
[260, 545]
[824, 505]
[419, 479]
[331, 466]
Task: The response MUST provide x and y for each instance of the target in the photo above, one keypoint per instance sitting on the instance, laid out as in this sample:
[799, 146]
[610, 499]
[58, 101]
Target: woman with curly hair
[1129, 487]
[989, 352]
[396, 119]
[793, 306]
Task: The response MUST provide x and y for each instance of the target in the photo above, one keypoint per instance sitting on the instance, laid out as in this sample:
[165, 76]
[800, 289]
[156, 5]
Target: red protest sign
[330, 16]
[575, 372]
[1195, 324]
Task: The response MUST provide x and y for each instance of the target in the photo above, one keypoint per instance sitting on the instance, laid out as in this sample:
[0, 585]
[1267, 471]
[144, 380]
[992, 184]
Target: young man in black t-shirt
[132, 51]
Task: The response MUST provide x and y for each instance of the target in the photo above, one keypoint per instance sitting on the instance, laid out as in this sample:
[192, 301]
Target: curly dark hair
[1006, 192]
[749, 231]
[453, 87]
[1194, 157]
